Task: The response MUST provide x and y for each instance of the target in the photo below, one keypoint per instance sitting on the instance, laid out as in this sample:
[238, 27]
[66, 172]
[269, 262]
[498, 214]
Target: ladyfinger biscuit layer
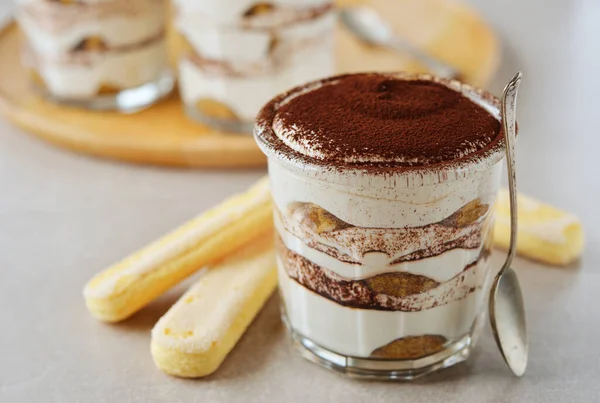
[126, 287]
[193, 338]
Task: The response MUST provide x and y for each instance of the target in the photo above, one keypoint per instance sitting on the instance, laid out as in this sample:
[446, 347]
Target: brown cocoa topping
[410, 348]
[378, 118]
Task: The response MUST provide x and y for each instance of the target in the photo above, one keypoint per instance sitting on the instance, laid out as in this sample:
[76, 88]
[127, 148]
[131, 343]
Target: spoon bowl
[506, 303]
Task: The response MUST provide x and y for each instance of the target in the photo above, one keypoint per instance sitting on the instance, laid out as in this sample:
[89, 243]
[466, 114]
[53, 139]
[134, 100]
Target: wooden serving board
[163, 135]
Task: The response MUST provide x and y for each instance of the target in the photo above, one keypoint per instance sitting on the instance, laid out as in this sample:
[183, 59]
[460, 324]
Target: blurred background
[72, 214]
[553, 43]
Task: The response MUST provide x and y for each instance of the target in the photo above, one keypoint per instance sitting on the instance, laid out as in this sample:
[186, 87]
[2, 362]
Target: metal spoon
[367, 25]
[507, 312]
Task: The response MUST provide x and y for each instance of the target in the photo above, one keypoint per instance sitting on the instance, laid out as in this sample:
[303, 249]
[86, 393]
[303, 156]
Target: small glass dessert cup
[97, 54]
[383, 186]
[235, 55]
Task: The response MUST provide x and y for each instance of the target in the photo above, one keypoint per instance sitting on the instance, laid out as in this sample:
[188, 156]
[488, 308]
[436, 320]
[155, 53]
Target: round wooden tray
[163, 135]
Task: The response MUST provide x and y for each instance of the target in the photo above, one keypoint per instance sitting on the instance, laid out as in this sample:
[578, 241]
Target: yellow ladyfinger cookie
[545, 233]
[193, 338]
[124, 288]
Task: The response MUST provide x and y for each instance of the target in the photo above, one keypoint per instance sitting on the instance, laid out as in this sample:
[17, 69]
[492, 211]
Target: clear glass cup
[97, 54]
[383, 273]
[235, 55]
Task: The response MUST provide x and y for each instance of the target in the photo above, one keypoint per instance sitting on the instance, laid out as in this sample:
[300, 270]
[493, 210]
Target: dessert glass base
[127, 100]
[226, 125]
[384, 369]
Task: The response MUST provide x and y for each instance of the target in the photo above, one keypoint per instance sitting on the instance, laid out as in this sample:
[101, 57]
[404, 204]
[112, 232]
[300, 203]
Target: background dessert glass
[235, 55]
[97, 54]
[383, 268]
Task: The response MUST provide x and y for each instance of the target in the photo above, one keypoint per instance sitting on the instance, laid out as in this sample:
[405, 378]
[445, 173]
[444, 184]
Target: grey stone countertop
[63, 217]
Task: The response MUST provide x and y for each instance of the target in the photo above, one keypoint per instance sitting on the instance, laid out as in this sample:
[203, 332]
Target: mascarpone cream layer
[374, 205]
[357, 332]
[440, 268]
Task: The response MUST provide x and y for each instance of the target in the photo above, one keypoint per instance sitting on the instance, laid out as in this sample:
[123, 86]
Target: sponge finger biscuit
[129, 285]
[545, 233]
[193, 338]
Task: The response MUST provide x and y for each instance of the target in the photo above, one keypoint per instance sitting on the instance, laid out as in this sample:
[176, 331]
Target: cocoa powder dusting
[379, 118]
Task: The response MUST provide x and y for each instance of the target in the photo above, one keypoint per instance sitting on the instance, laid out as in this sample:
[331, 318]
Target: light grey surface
[63, 217]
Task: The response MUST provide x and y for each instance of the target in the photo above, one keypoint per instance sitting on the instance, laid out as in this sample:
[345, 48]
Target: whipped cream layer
[366, 202]
[439, 268]
[358, 332]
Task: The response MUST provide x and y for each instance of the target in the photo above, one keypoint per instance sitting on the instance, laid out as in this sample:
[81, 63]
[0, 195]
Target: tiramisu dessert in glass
[237, 54]
[384, 186]
[97, 54]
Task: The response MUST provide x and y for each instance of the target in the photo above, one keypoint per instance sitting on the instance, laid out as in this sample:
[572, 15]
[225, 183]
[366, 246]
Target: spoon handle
[506, 308]
[434, 65]
[509, 107]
